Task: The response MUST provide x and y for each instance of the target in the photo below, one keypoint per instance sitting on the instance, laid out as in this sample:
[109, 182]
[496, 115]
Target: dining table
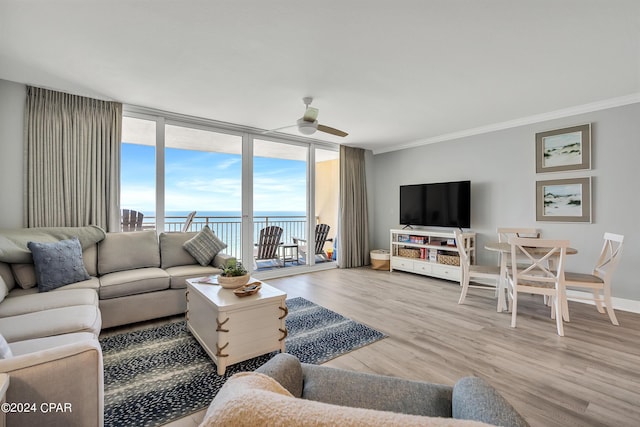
[504, 249]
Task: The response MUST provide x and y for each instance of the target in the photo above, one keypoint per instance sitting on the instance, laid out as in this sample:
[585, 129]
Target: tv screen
[444, 204]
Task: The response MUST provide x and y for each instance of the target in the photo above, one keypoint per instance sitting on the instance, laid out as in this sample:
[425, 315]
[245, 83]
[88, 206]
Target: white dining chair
[599, 281]
[474, 271]
[505, 233]
[530, 273]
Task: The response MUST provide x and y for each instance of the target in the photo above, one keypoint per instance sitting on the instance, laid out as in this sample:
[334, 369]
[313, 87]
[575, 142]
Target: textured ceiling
[392, 74]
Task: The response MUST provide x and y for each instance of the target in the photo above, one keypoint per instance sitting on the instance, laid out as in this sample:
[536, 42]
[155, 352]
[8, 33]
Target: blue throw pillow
[58, 264]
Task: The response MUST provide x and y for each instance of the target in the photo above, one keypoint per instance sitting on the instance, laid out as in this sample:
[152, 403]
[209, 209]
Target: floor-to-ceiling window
[138, 168]
[238, 182]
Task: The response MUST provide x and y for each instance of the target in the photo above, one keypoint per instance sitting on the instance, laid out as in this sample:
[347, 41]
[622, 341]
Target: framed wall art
[564, 200]
[565, 149]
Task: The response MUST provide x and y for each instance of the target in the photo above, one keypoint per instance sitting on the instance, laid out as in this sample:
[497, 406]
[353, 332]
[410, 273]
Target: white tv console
[429, 252]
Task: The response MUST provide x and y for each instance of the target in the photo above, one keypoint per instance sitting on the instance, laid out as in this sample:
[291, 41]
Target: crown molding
[538, 118]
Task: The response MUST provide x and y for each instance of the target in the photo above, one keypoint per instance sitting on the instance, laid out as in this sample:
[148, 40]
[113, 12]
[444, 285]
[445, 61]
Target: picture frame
[564, 200]
[563, 150]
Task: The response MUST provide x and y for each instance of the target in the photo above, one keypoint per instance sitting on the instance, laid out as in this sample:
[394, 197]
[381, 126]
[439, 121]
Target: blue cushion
[58, 264]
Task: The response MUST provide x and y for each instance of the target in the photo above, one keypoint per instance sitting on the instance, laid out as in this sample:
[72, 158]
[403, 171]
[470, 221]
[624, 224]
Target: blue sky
[206, 181]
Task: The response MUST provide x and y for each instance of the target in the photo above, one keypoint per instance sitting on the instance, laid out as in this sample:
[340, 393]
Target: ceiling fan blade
[277, 129]
[310, 115]
[332, 131]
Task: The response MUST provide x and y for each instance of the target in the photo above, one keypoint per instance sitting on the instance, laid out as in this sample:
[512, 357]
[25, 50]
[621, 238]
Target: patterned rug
[157, 375]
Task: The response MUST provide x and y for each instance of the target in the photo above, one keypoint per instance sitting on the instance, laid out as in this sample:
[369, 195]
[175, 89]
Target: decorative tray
[248, 289]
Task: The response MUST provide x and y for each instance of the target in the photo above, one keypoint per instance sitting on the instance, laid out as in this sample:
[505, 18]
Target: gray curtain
[72, 160]
[353, 236]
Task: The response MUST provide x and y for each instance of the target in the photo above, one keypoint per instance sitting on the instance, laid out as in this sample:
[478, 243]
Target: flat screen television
[443, 204]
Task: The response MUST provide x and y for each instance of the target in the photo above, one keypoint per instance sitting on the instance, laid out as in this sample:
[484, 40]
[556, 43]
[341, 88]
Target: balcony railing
[228, 228]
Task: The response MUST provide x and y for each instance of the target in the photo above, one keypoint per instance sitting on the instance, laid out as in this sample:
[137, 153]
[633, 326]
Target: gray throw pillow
[58, 264]
[204, 246]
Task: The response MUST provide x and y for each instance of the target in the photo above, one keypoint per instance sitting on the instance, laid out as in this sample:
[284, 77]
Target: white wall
[501, 167]
[12, 101]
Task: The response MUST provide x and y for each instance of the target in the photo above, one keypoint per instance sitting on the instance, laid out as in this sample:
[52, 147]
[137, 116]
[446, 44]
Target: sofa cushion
[25, 275]
[341, 387]
[7, 275]
[20, 348]
[56, 321]
[15, 306]
[128, 251]
[475, 399]
[3, 290]
[90, 258]
[172, 252]
[58, 264]
[180, 274]
[251, 398]
[5, 351]
[92, 283]
[204, 246]
[132, 282]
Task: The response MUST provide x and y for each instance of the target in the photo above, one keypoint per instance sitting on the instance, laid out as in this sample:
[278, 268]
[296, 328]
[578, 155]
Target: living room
[497, 156]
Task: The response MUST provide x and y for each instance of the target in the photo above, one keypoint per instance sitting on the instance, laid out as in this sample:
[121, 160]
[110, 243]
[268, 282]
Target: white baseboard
[621, 304]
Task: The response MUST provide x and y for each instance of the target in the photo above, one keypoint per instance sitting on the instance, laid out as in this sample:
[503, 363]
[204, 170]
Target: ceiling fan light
[307, 128]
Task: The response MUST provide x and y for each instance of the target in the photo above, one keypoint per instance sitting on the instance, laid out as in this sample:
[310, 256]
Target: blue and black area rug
[157, 375]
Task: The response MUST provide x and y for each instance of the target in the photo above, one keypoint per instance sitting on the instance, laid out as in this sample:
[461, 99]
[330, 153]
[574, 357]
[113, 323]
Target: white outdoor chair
[188, 221]
[535, 276]
[599, 281]
[473, 271]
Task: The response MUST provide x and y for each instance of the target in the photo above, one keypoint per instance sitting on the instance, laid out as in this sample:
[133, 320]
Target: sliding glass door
[237, 182]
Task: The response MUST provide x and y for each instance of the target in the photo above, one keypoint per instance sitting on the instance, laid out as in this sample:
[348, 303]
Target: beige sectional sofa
[53, 336]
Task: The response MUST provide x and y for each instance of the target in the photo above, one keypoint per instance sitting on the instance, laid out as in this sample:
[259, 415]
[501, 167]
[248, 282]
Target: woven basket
[449, 259]
[409, 253]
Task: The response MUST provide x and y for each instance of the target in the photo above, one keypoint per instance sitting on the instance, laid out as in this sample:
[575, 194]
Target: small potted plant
[233, 275]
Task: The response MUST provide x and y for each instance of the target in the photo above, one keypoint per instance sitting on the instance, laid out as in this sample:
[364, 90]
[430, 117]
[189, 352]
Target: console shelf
[429, 252]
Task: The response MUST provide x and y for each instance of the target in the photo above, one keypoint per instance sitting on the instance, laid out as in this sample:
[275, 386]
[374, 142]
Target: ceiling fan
[308, 123]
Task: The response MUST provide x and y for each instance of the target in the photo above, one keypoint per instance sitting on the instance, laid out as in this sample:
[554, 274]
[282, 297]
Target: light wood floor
[589, 377]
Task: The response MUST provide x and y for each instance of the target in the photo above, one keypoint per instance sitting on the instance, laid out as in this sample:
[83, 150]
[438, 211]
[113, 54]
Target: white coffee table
[231, 328]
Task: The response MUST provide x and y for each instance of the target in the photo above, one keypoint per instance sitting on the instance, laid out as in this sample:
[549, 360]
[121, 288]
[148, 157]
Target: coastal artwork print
[566, 200]
[564, 149]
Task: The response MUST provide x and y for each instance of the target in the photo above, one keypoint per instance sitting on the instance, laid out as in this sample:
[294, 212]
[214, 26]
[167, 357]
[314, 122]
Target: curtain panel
[353, 241]
[72, 160]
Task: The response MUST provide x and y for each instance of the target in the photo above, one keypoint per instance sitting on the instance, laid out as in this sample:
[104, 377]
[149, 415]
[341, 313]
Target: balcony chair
[321, 233]
[469, 271]
[600, 279]
[535, 276]
[188, 221]
[131, 220]
[267, 246]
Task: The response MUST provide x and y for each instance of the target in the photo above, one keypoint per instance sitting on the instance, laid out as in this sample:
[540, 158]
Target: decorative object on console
[565, 149]
[564, 200]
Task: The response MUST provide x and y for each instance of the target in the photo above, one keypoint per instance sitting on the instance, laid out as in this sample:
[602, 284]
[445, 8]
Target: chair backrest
[465, 262]
[610, 256]
[322, 232]
[131, 220]
[505, 233]
[269, 242]
[188, 221]
[531, 258]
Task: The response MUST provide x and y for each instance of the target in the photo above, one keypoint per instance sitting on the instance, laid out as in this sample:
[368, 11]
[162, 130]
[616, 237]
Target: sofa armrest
[372, 391]
[287, 370]
[221, 259]
[475, 399]
[70, 376]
